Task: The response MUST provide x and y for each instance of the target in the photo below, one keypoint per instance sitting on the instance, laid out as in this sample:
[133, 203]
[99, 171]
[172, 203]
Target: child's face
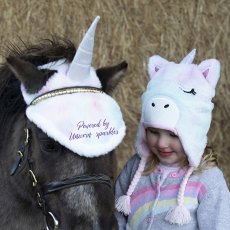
[166, 145]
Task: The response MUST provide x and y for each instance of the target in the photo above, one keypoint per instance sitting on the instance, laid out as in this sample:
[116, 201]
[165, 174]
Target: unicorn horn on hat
[188, 59]
[81, 64]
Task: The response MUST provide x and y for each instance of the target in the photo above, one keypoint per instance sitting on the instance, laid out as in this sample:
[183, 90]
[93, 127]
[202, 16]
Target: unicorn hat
[71, 107]
[178, 98]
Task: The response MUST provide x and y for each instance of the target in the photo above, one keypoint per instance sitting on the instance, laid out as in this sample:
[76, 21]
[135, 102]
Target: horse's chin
[79, 208]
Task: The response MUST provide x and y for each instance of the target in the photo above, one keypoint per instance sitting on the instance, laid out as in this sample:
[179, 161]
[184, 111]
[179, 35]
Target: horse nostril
[166, 106]
[153, 104]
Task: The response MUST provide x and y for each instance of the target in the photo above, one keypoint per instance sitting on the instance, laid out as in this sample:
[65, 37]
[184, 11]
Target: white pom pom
[122, 204]
[179, 215]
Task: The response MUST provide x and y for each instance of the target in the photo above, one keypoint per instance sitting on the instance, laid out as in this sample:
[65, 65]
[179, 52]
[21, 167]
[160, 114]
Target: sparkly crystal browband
[69, 90]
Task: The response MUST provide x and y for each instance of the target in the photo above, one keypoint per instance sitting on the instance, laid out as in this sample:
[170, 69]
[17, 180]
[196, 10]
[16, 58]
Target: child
[173, 181]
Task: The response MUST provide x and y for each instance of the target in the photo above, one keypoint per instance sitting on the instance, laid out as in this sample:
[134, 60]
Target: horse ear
[155, 63]
[211, 71]
[111, 76]
[32, 78]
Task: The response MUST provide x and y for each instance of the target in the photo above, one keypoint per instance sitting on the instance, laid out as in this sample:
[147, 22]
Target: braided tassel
[180, 214]
[122, 204]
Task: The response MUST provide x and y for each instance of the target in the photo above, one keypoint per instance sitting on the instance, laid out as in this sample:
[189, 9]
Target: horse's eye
[49, 146]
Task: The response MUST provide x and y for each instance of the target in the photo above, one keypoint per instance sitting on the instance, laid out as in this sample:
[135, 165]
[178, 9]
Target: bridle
[67, 90]
[24, 155]
[24, 158]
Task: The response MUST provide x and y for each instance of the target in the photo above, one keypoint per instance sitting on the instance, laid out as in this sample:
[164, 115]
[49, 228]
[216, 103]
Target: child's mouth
[165, 154]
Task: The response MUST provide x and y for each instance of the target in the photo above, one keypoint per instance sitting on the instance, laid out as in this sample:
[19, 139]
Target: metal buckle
[27, 136]
[54, 219]
[17, 163]
[20, 154]
[33, 177]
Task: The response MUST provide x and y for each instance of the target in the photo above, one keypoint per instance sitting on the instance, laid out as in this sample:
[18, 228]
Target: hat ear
[211, 71]
[155, 63]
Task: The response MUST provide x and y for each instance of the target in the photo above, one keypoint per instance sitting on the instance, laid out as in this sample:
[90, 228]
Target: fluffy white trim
[89, 124]
[61, 80]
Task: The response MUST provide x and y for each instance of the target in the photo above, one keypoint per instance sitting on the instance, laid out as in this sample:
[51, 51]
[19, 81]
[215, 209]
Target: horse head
[59, 137]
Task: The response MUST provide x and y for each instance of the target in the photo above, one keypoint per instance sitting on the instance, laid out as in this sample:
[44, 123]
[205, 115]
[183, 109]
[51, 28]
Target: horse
[44, 183]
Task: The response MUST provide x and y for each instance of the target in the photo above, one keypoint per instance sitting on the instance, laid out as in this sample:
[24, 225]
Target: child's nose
[162, 142]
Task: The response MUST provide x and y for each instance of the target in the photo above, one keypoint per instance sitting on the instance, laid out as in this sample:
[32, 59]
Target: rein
[53, 186]
[76, 181]
[24, 157]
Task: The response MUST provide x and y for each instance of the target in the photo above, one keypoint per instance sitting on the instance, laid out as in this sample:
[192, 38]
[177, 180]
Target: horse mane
[47, 50]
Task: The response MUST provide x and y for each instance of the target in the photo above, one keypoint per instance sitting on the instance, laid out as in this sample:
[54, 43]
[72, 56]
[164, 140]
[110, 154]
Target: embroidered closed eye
[192, 91]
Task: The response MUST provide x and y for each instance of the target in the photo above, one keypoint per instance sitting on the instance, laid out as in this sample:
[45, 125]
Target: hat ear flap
[155, 64]
[211, 71]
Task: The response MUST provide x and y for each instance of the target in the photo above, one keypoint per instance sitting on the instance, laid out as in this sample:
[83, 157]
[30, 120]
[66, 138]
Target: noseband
[24, 157]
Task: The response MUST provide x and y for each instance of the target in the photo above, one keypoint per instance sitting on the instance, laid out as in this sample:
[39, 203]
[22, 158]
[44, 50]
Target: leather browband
[68, 90]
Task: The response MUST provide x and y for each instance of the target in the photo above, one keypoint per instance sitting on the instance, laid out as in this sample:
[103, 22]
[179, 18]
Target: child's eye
[173, 135]
[153, 131]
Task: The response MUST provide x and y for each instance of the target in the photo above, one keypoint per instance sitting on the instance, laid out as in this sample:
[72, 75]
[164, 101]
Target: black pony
[50, 187]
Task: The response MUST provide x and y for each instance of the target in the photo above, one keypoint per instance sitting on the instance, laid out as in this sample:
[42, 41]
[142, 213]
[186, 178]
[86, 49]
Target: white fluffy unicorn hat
[178, 98]
[71, 108]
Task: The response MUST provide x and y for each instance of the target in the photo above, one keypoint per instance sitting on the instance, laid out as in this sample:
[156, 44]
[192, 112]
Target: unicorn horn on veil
[188, 59]
[81, 64]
